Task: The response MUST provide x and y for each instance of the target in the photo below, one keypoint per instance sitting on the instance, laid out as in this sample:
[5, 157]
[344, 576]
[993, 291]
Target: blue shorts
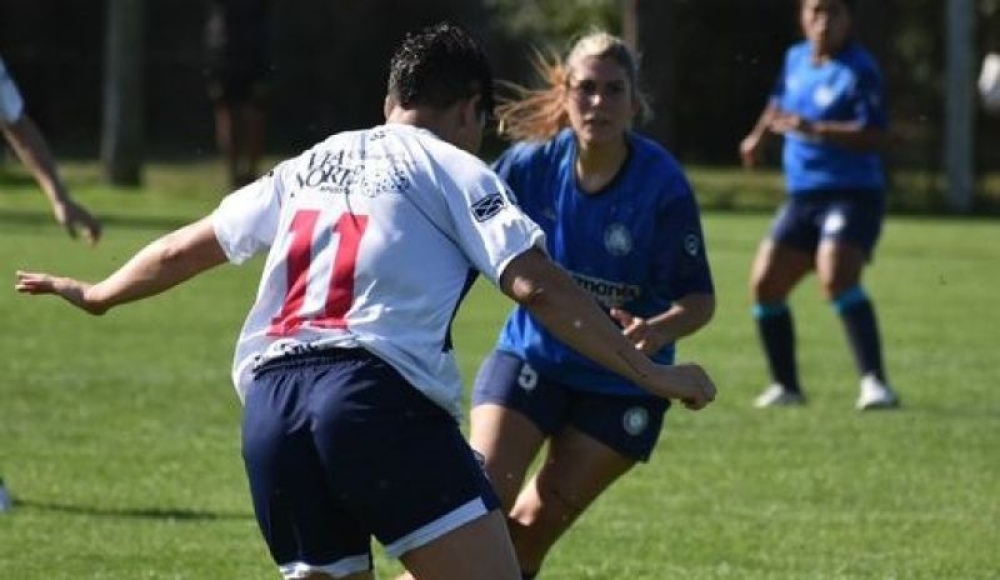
[339, 447]
[852, 216]
[629, 424]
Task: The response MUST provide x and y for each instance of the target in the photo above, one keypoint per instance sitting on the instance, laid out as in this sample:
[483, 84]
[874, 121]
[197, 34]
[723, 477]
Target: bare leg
[577, 470]
[509, 442]
[776, 270]
[479, 550]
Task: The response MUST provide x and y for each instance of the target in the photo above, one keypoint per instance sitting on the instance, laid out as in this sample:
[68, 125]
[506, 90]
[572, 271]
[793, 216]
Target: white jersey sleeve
[246, 221]
[11, 103]
[482, 217]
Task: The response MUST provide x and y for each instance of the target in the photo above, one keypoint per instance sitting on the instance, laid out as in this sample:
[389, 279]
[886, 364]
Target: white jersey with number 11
[373, 237]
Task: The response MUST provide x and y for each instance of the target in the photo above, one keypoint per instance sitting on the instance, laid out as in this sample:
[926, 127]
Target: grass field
[119, 435]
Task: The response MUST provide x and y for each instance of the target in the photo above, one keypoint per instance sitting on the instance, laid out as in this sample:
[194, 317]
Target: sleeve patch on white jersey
[488, 206]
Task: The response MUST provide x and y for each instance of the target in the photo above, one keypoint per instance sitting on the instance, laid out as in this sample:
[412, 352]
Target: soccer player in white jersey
[28, 142]
[345, 364]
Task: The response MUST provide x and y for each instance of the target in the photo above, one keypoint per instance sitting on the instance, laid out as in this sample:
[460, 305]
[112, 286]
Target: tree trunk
[122, 131]
[652, 29]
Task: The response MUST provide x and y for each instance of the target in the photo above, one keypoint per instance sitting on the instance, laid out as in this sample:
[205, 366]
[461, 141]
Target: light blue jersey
[848, 87]
[637, 245]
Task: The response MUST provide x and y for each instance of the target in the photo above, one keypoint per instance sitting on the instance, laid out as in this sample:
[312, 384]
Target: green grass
[119, 435]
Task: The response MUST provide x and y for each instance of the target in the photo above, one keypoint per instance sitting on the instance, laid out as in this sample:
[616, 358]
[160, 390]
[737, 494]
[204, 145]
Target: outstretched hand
[75, 219]
[69, 289]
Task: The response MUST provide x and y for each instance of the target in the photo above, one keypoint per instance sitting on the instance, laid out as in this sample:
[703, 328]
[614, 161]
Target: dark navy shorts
[339, 447]
[629, 424]
[852, 216]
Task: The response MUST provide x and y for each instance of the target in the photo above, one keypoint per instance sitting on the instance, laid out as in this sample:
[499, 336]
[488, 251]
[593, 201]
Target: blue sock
[777, 334]
[858, 315]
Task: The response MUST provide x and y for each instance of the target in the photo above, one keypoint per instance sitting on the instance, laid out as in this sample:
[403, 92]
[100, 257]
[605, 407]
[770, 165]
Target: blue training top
[847, 87]
[637, 244]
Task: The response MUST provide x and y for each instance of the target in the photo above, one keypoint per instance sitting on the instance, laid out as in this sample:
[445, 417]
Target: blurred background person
[237, 69]
[29, 144]
[829, 106]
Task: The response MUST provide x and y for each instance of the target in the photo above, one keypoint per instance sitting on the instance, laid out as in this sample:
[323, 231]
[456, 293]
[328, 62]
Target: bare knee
[553, 505]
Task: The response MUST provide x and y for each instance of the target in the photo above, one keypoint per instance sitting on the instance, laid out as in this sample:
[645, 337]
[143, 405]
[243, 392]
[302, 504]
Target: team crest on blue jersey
[635, 420]
[618, 240]
[488, 206]
[692, 244]
[823, 96]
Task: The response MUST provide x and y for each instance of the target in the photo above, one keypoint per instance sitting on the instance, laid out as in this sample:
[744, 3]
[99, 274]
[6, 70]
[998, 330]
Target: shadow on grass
[36, 218]
[133, 513]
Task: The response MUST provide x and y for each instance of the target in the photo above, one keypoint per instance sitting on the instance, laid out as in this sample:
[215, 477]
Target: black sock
[777, 334]
[862, 334]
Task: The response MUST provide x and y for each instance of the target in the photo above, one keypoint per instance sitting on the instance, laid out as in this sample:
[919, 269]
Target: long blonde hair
[538, 114]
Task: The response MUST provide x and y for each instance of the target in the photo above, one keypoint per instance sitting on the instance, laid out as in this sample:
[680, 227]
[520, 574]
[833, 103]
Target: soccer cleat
[778, 396]
[875, 395]
[5, 501]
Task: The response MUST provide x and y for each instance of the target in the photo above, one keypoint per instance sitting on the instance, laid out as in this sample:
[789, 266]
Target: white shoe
[5, 500]
[778, 396]
[875, 395]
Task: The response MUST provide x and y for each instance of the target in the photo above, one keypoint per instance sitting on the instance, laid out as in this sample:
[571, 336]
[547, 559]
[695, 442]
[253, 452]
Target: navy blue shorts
[629, 424]
[853, 217]
[339, 447]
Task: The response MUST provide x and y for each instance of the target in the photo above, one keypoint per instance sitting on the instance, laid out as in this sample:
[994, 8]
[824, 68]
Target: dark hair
[438, 66]
[851, 5]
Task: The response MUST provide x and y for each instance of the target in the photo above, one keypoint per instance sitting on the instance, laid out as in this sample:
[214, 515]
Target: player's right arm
[553, 298]
[164, 263]
[751, 144]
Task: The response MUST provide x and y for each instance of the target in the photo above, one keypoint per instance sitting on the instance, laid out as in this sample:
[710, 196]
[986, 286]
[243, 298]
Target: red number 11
[340, 292]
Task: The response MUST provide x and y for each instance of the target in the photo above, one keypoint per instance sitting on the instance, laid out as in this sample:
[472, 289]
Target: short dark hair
[851, 5]
[438, 66]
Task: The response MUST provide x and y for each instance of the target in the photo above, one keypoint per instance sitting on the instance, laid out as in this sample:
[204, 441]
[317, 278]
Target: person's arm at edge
[31, 148]
[751, 144]
[162, 264]
[545, 290]
[848, 134]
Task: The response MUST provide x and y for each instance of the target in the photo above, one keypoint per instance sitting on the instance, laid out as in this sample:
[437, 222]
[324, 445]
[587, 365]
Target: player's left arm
[866, 130]
[683, 267]
[161, 265]
[848, 134]
[685, 316]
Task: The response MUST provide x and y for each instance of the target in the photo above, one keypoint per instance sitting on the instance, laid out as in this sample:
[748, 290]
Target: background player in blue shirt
[828, 105]
[620, 217]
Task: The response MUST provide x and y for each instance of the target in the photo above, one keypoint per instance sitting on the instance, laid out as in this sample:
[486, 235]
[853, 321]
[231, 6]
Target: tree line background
[707, 64]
